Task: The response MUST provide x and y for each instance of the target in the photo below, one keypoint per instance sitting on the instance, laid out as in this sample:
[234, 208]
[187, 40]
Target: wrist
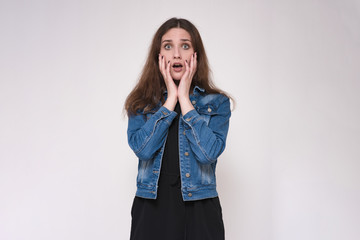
[185, 105]
[170, 103]
[184, 99]
[183, 96]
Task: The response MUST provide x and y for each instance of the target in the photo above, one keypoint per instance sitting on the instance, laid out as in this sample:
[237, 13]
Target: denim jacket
[202, 138]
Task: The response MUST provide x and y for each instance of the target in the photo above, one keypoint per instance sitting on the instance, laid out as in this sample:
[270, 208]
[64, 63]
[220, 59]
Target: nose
[177, 54]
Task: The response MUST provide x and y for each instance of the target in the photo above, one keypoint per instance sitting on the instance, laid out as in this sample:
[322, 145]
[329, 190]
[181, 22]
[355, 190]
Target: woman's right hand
[169, 82]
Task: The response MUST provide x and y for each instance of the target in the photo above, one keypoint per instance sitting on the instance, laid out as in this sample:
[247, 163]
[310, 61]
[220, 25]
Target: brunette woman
[178, 123]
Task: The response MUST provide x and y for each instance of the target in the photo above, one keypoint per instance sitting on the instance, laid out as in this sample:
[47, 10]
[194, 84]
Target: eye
[167, 46]
[186, 46]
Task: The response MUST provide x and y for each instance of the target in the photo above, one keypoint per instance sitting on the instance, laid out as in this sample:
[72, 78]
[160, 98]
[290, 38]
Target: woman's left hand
[185, 83]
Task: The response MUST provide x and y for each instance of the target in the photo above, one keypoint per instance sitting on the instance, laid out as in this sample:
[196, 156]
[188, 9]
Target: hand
[185, 83]
[186, 79]
[171, 87]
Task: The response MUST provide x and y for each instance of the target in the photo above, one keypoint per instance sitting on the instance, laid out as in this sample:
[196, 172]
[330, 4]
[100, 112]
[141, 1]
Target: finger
[192, 61]
[192, 64]
[159, 59]
[168, 70]
[195, 61]
[187, 69]
[160, 63]
[163, 66]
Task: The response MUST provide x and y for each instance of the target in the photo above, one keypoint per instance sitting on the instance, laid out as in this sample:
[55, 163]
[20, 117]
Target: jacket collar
[196, 90]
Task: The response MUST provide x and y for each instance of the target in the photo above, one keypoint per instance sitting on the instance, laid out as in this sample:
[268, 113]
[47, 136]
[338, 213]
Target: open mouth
[177, 67]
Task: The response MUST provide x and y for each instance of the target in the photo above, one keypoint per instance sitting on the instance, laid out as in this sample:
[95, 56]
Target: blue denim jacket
[202, 138]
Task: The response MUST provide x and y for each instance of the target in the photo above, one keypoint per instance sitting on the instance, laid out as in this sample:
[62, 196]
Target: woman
[178, 123]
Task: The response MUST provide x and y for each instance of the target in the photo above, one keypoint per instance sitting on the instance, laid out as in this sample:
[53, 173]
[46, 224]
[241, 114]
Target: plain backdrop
[291, 167]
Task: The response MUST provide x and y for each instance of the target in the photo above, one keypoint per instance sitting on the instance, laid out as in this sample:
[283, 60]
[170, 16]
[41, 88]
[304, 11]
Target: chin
[177, 77]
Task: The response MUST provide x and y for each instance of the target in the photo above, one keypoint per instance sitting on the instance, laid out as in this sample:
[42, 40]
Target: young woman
[178, 123]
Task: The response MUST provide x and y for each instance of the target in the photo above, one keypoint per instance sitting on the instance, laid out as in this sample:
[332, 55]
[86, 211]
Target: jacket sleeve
[207, 141]
[145, 137]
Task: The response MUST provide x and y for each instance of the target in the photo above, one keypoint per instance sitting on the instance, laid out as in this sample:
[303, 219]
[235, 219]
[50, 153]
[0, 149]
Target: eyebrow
[184, 40]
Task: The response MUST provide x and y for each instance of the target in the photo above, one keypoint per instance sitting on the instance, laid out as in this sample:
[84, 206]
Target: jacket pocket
[207, 112]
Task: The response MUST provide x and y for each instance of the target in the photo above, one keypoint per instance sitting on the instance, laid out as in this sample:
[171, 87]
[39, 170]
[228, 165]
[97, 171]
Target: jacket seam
[149, 137]
[210, 160]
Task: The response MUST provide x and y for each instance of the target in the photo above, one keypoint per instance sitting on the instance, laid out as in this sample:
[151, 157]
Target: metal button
[184, 133]
[186, 154]
[187, 174]
[193, 102]
[188, 119]
[165, 113]
[209, 109]
[190, 194]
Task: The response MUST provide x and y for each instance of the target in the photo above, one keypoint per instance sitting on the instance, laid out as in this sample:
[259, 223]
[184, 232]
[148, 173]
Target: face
[176, 47]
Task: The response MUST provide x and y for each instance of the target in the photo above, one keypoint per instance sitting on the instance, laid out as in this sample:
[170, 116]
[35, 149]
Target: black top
[168, 217]
[170, 164]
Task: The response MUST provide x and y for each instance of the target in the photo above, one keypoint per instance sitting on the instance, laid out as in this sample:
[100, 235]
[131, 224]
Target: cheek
[188, 56]
[165, 54]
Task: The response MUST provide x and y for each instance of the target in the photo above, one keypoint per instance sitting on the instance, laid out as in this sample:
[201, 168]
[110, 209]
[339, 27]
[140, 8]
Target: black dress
[169, 217]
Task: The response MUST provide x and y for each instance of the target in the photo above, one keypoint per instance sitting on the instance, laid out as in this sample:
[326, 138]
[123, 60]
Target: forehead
[176, 34]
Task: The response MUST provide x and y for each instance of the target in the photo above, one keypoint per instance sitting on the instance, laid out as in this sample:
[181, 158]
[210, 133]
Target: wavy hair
[150, 87]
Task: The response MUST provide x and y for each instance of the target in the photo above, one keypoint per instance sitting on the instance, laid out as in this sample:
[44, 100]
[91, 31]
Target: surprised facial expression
[176, 47]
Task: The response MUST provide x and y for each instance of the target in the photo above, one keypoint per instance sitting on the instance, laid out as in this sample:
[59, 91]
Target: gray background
[291, 167]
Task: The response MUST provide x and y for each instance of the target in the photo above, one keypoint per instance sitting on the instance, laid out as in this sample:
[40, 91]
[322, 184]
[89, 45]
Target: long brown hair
[150, 88]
